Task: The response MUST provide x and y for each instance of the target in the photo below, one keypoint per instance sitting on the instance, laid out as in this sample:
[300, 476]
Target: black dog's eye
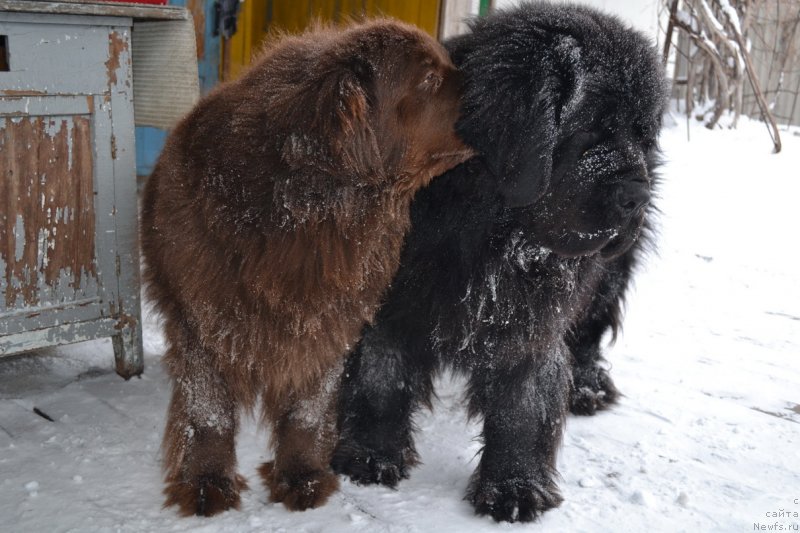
[648, 140]
[647, 136]
[583, 141]
[607, 123]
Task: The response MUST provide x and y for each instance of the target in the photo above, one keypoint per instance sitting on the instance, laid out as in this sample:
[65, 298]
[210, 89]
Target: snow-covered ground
[707, 437]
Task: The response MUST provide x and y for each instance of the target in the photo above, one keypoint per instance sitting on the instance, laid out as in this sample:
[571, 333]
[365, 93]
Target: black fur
[519, 259]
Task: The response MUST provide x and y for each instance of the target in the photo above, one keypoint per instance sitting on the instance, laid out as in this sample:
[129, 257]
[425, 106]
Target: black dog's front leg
[593, 389]
[381, 389]
[524, 410]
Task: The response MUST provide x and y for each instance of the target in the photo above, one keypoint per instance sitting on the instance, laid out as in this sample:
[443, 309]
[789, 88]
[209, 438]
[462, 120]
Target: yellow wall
[257, 17]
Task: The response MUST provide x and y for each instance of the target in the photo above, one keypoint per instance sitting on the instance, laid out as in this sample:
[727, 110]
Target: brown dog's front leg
[304, 435]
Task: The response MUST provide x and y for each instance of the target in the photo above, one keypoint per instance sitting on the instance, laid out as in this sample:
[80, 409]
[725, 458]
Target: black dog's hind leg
[593, 389]
[381, 389]
[524, 410]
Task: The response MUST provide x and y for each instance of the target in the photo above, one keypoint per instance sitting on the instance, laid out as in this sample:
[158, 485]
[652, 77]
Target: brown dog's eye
[431, 82]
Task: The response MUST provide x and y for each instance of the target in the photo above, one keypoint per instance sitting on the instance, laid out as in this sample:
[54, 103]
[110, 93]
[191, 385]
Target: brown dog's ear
[333, 131]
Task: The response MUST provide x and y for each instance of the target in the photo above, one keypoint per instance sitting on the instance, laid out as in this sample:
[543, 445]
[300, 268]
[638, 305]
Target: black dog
[518, 259]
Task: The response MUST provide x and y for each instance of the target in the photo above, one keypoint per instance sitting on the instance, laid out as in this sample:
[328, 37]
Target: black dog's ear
[528, 165]
[516, 135]
[513, 95]
[519, 148]
[531, 161]
[333, 129]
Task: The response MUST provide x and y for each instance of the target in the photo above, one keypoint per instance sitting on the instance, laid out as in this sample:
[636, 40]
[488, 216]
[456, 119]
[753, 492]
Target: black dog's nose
[632, 195]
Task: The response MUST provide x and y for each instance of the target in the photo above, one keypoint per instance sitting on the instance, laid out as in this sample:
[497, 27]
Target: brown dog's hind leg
[199, 440]
[304, 435]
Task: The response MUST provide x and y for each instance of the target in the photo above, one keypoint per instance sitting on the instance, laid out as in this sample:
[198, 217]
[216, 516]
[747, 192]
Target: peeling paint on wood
[68, 240]
[12, 92]
[81, 7]
[116, 45]
[125, 321]
[47, 216]
[63, 334]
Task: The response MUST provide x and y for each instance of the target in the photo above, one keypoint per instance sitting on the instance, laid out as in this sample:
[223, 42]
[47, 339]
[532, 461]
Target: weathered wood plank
[68, 226]
[47, 236]
[43, 106]
[64, 334]
[54, 59]
[79, 7]
[48, 315]
[124, 297]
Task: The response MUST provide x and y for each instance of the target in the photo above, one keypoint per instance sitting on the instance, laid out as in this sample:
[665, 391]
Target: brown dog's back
[272, 224]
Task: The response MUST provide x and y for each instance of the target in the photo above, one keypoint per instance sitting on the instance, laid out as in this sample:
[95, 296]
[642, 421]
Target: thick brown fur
[271, 227]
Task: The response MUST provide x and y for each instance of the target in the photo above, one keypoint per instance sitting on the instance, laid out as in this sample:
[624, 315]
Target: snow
[684, 17]
[732, 15]
[706, 438]
[711, 18]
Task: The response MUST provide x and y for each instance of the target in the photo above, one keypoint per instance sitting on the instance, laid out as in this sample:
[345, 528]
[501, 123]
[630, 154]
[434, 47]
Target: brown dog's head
[376, 104]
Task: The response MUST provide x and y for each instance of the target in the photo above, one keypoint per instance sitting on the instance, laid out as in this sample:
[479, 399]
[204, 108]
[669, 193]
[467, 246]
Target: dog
[271, 227]
[518, 259]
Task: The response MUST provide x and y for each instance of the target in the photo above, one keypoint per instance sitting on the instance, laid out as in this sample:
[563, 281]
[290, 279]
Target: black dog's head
[565, 105]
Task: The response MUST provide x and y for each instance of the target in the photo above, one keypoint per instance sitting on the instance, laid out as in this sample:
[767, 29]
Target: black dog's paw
[593, 390]
[368, 467]
[514, 500]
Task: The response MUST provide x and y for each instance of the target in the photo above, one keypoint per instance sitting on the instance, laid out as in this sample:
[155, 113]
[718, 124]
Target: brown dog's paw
[208, 495]
[298, 490]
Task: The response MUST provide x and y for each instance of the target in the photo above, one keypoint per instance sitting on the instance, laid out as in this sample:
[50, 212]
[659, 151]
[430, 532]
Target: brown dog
[272, 225]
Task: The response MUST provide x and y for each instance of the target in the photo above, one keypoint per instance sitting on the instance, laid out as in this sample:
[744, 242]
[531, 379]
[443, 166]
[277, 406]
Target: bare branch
[670, 27]
[713, 54]
[762, 103]
[714, 57]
